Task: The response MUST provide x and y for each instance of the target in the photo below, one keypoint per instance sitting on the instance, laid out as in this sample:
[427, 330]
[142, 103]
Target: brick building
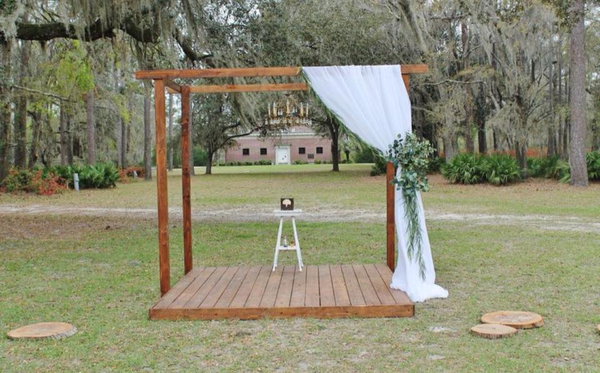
[297, 143]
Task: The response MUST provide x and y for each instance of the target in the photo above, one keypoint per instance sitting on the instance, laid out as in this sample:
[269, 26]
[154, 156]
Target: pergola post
[161, 186]
[390, 172]
[390, 189]
[185, 178]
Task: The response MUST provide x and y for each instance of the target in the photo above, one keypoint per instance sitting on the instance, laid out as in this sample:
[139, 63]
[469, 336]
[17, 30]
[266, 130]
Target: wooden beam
[248, 88]
[185, 179]
[244, 72]
[390, 172]
[172, 87]
[161, 187]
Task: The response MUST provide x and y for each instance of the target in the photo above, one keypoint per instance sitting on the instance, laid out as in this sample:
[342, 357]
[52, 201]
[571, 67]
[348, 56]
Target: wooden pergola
[250, 293]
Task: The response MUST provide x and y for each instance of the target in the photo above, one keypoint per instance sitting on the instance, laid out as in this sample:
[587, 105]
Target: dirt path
[254, 213]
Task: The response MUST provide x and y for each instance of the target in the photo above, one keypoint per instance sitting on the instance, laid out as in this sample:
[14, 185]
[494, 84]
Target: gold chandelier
[286, 113]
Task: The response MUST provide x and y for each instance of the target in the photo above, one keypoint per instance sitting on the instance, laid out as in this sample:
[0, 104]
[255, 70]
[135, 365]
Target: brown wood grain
[390, 173]
[189, 292]
[284, 294]
[161, 187]
[312, 287]
[172, 87]
[232, 288]
[339, 286]
[259, 287]
[299, 288]
[243, 293]
[244, 72]
[197, 299]
[256, 292]
[226, 88]
[354, 292]
[186, 184]
[215, 293]
[386, 275]
[326, 286]
[176, 290]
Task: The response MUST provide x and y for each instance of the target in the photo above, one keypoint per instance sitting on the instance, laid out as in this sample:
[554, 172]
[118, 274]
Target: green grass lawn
[101, 274]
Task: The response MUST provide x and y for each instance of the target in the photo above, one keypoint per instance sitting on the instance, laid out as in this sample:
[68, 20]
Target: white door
[282, 155]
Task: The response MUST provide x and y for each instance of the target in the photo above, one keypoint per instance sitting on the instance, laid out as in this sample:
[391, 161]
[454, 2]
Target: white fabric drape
[373, 103]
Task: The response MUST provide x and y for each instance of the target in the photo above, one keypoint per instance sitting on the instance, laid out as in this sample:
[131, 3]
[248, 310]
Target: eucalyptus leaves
[411, 156]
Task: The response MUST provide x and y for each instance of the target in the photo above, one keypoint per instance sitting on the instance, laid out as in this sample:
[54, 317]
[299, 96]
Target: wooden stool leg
[298, 252]
[278, 243]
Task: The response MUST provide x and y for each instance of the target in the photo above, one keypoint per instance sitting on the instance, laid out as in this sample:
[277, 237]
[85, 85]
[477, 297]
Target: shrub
[264, 162]
[100, 175]
[200, 156]
[501, 169]
[465, 169]
[593, 165]
[435, 165]
[379, 167]
[300, 161]
[38, 182]
[366, 155]
[317, 161]
[543, 167]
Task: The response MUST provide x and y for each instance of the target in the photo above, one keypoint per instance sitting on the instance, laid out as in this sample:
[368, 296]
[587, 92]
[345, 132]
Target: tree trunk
[147, 138]
[209, 162]
[450, 146]
[62, 128]
[579, 174]
[170, 136]
[90, 127]
[335, 154]
[69, 136]
[521, 155]
[124, 142]
[36, 127]
[20, 157]
[5, 111]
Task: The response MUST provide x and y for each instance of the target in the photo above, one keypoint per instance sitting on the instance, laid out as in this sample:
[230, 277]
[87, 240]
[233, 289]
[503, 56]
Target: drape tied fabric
[373, 103]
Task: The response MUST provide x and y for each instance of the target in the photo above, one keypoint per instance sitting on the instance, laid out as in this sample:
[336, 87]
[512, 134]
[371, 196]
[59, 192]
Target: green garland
[411, 156]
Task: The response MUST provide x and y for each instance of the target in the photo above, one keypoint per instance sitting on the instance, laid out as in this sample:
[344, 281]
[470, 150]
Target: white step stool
[287, 214]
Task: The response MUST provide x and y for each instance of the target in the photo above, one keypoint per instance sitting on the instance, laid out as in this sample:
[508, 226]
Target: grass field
[101, 274]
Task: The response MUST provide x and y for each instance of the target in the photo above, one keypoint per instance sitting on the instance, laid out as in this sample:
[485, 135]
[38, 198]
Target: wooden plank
[299, 289]
[205, 289]
[244, 72]
[312, 287]
[399, 296]
[365, 285]
[215, 293]
[284, 294]
[354, 292]
[339, 286]
[176, 290]
[172, 87]
[218, 73]
[161, 187]
[381, 288]
[249, 88]
[326, 286]
[390, 173]
[282, 312]
[259, 287]
[232, 288]
[406, 79]
[186, 183]
[189, 292]
[242, 295]
[268, 298]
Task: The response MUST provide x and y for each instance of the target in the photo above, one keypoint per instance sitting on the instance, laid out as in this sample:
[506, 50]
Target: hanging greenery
[411, 155]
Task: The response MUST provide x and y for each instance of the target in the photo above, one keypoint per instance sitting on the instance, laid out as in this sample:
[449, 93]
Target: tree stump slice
[493, 331]
[43, 330]
[516, 319]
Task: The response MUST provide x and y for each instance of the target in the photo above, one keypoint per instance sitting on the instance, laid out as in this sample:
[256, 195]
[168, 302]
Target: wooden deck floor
[325, 291]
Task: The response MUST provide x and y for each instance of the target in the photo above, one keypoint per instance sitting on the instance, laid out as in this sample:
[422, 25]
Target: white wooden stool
[279, 247]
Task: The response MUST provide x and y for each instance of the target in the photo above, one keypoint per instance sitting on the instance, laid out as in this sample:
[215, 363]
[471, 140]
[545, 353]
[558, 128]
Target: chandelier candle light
[281, 115]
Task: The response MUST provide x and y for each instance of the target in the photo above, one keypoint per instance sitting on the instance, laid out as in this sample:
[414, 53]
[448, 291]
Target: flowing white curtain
[373, 103]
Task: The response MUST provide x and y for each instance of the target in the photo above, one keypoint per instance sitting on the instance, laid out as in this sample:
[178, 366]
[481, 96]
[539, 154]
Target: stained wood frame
[163, 81]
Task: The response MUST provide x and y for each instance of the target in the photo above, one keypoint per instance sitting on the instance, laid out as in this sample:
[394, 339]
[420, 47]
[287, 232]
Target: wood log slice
[43, 330]
[516, 319]
[493, 331]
